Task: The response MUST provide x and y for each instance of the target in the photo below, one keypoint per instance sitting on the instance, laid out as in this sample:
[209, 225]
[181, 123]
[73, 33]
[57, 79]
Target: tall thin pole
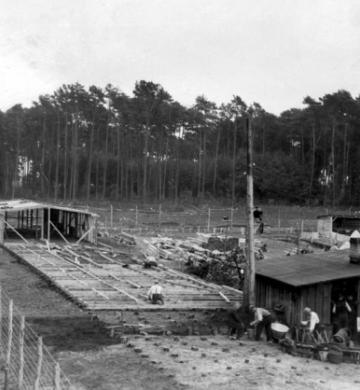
[250, 277]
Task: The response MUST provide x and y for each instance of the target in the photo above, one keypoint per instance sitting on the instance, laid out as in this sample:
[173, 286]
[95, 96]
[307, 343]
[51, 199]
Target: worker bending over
[236, 321]
[155, 294]
[262, 319]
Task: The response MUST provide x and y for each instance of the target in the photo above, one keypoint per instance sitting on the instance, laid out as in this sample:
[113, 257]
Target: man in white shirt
[311, 320]
[155, 294]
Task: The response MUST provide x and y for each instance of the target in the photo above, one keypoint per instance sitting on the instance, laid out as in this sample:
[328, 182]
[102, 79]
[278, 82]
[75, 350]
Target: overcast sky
[274, 52]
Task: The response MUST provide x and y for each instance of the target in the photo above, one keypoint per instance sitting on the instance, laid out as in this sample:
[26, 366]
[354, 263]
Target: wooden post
[159, 215]
[2, 227]
[1, 346]
[111, 216]
[48, 226]
[209, 219]
[10, 333]
[39, 363]
[250, 279]
[59, 232]
[136, 216]
[358, 308]
[21, 352]
[42, 224]
[231, 217]
[279, 221]
[57, 376]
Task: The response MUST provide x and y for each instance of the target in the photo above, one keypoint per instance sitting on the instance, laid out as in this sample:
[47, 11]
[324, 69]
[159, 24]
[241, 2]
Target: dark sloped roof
[302, 270]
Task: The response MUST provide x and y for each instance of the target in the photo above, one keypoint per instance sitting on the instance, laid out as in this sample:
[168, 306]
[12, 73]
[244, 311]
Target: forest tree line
[101, 144]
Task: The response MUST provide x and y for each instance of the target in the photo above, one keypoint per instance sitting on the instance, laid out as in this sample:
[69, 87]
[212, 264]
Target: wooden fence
[27, 363]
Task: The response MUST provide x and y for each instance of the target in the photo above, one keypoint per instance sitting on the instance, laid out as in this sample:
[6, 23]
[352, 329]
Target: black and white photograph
[179, 195]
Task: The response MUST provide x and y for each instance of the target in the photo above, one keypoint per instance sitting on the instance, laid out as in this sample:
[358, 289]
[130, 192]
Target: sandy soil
[216, 362]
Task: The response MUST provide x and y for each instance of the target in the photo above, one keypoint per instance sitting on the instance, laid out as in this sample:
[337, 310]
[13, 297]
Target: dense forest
[97, 144]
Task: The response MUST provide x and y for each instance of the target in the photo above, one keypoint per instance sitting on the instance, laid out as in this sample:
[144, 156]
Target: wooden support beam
[59, 232]
[13, 229]
[84, 235]
[224, 297]
[48, 225]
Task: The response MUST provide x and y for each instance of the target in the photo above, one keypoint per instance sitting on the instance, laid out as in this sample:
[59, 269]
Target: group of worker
[263, 318]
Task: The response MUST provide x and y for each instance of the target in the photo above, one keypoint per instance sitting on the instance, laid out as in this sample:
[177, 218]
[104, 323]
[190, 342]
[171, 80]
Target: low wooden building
[29, 219]
[337, 223]
[311, 280]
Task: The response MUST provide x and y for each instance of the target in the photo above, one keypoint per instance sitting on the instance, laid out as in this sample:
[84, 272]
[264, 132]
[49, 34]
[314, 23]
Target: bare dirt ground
[215, 362]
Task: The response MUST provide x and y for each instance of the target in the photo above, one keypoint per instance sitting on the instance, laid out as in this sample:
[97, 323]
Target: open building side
[28, 219]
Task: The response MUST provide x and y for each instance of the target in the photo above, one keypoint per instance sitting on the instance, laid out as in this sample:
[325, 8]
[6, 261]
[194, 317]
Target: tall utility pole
[250, 275]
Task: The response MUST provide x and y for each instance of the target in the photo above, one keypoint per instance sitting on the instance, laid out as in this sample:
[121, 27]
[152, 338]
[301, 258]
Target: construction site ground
[94, 360]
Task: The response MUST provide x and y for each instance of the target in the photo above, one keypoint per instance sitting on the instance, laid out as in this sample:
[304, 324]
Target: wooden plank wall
[317, 297]
[269, 294]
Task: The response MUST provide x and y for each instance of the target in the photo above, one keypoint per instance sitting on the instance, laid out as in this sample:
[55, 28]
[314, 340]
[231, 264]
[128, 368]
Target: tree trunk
[17, 155]
[216, 161]
[263, 141]
[333, 163]
[57, 161]
[75, 158]
[118, 163]
[312, 169]
[344, 165]
[177, 172]
[65, 157]
[105, 161]
[204, 165]
[97, 166]
[234, 164]
[42, 164]
[145, 162]
[90, 159]
[199, 165]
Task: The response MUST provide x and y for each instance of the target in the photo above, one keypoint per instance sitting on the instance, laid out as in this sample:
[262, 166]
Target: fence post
[21, 352]
[111, 215]
[159, 216]
[57, 376]
[9, 343]
[208, 221]
[1, 346]
[136, 216]
[279, 222]
[231, 217]
[38, 364]
[10, 333]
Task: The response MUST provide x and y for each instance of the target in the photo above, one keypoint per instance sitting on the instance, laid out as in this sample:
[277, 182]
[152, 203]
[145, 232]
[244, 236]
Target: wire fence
[27, 363]
[284, 218]
[163, 219]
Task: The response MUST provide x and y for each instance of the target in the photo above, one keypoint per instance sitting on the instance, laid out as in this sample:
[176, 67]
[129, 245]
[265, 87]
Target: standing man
[155, 294]
[258, 214]
[341, 311]
[262, 319]
[311, 320]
